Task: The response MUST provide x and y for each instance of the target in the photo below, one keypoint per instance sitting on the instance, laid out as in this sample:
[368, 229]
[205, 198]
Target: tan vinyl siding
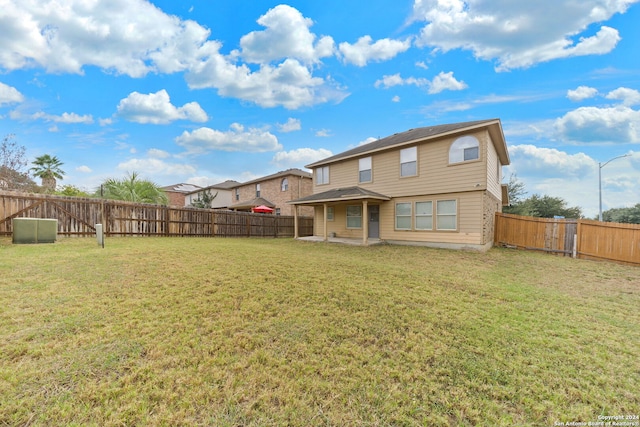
[469, 221]
[339, 223]
[435, 174]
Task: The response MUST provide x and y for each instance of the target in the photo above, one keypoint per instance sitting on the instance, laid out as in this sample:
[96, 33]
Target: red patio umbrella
[262, 209]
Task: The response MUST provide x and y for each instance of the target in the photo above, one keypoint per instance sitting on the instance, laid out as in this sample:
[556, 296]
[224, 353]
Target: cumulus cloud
[323, 133]
[290, 126]
[549, 161]
[84, 169]
[518, 34]
[156, 108]
[286, 35]
[300, 156]
[582, 93]
[155, 166]
[131, 37]
[9, 94]
[205, 139]
[365, 50]
[628, 96]
[618, 124]
[443, 81]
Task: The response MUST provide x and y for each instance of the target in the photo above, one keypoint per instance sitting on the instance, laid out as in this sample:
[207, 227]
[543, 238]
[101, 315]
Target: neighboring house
[436, 186]
[222, 193]
[177, 192]
[274, 191]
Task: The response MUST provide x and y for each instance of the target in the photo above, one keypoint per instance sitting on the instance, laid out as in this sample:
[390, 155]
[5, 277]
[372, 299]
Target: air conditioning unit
[34, 230]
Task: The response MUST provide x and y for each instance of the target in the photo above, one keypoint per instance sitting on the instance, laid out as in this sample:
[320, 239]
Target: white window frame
[404, 215]
[461, 147]
[237, 194]
[284, 185]
[364, 166]
[322, 175]
[258, 190]
[447, 214]
[407, 157]
[351, 216]
[330, 213]
[423, 215]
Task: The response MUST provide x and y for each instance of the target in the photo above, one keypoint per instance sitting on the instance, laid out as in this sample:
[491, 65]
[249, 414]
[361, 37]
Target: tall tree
[204, 199]
[48, 169]
[12, 163]
[629, 215]
[133, 189]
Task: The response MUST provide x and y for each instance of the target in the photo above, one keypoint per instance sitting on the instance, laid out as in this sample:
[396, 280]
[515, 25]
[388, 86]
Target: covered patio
[343, 196]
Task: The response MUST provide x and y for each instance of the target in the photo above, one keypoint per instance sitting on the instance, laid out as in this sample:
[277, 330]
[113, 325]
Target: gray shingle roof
[406, 137]
[338, 194]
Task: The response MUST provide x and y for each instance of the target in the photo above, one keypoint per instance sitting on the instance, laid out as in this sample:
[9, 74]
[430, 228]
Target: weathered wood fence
[78, 216]
[585, 239]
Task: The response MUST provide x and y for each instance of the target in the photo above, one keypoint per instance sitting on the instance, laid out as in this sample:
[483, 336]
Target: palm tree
[133, 189]
[48, 169]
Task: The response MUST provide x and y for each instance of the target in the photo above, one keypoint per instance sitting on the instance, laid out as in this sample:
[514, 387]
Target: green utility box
[34, 230]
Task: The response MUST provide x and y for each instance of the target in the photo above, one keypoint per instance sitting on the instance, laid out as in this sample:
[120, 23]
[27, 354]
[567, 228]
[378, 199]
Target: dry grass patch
[229, 332]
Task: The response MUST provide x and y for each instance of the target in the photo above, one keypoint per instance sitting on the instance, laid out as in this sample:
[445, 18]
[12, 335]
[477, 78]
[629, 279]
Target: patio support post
[295, 222]
[324, 221]
[365, 223]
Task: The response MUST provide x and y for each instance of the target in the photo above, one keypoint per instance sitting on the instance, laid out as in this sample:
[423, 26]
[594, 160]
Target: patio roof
[340, 195]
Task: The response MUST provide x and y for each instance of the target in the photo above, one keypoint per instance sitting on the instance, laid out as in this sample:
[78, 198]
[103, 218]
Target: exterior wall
[222, 200]
[271, 190]
[435, 174]
[491, 206]
[175, 198]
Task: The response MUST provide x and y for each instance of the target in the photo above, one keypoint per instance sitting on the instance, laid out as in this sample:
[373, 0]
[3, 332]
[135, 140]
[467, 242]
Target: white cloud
[286, 35]
[84, 169]
[105, 122]
[628, 96]
[157, 153]
[364, 51]
[600, 125]
[300, 157]
[205, 139]
[443, 81]
[529, 159]
[323, 133]
[367, 141]
[395, 99]
[156, 108]
[131, 37]
[518, 34]
[290, 126]
[581, 93]
[154, 166]
[9, 94]
[62, 118]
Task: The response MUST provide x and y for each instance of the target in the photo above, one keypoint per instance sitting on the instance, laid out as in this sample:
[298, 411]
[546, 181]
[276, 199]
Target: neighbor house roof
[421, 134]
[226, 185]
[340, 195]
[293, 171]
[258, 201]
[182, 188]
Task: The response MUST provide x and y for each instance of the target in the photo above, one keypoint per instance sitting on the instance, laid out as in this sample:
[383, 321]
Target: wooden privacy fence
[78, 216]
[581, 238]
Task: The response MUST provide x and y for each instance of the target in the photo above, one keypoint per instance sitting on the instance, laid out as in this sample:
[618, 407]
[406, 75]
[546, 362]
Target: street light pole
[600, 166]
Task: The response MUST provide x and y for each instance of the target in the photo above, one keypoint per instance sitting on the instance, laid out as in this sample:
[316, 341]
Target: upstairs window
[237, 194]
[409, 161]
[258, 190]
[322, 175]
[364, 168]
[284, 186]
[464, 149]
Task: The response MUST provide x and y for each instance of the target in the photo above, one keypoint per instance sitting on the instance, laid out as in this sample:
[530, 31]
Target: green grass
[247, 332]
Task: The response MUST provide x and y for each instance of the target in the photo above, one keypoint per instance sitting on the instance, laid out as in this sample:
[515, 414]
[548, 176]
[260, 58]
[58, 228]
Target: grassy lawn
[247, 332]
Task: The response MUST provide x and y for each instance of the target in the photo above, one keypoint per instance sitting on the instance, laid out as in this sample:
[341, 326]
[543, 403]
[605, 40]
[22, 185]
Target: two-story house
[274, 191]
[436, 186]
[222, 194]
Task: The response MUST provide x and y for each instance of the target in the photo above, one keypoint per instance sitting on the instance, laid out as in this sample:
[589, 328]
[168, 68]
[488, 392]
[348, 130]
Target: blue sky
[203, 91]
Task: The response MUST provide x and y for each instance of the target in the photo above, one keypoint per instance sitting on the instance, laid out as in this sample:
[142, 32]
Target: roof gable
[423, 134]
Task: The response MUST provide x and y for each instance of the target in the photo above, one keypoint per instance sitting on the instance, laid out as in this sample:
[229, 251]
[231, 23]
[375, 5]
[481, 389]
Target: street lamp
[600, 166]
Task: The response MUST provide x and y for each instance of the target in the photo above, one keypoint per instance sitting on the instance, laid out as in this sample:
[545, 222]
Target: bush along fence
[78, 216]
[581, 238]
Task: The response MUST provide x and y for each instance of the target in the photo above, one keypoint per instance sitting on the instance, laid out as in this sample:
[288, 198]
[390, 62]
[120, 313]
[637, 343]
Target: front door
[374, 221]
